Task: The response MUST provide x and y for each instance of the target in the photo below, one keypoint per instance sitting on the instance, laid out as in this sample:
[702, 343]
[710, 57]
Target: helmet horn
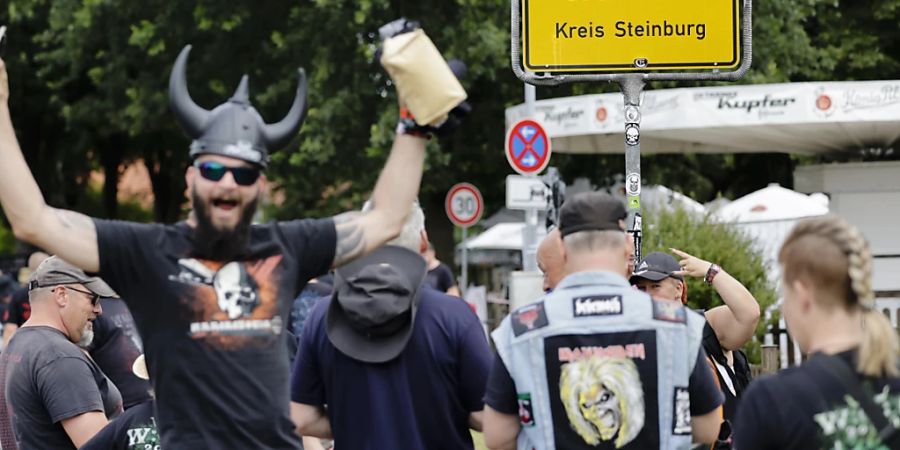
[279, 134]
[191, 116]
[242, 93]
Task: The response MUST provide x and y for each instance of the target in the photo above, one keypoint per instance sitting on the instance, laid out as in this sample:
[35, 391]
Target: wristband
[410, 127]
[711, 273]
[407, 125]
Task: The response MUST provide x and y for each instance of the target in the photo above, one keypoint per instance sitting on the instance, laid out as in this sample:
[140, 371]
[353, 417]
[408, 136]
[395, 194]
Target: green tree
[89, 84]
[716, 242]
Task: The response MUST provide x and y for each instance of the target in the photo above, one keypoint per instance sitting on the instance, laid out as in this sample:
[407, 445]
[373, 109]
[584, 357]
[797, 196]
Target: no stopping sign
[464, 205]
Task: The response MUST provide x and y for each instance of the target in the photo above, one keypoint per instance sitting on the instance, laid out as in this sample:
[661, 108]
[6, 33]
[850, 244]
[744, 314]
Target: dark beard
[216, 244]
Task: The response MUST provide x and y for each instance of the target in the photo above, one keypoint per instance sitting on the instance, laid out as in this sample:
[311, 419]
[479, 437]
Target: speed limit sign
[464, 205]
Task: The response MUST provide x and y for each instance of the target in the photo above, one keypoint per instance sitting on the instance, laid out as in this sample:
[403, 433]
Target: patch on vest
[596, 390]
[669, 311]
[529, 318]
[681, 417]
[526, 412]
[597, 305]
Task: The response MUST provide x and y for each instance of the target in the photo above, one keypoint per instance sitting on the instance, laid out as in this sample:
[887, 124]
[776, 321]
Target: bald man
[59, 396]
[550, 259]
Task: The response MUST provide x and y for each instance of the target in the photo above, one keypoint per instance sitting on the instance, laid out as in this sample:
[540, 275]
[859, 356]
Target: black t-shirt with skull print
[213, 331]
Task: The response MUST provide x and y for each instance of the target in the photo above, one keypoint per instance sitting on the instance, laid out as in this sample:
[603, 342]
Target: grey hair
[410, 236]
[592, 241]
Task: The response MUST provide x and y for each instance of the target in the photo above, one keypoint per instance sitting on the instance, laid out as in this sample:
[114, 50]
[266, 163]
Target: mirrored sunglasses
[213, 171]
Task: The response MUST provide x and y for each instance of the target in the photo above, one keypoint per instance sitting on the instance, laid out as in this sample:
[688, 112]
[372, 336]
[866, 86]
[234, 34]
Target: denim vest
[597, 362]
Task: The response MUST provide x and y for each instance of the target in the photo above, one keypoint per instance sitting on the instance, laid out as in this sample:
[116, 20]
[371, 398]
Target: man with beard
[55, 396]
[211, 295]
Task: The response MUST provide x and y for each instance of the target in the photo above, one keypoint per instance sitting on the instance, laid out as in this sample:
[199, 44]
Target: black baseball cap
[591, 211]
[373, 307]
[657, 266]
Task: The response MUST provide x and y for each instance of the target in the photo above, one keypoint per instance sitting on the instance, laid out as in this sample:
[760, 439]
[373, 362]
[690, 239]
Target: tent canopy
[815, 117]
[773, 203]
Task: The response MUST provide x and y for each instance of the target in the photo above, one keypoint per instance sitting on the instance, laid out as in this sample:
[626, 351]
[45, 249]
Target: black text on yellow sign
[616, 36]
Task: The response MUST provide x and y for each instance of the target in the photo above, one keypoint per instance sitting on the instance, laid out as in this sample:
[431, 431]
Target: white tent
[660, 197]
[503, 236]
[812, 117]
[773, 203]
[500, 244]
[768, 215]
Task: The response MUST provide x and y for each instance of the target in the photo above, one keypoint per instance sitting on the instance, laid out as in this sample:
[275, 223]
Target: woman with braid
[847, 394]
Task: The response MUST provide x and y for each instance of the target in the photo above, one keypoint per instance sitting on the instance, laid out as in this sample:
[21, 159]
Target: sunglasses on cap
[213, 171]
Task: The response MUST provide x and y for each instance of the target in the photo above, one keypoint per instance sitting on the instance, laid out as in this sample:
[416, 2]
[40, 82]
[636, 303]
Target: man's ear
[189, 175]
[61, 297]
[803, 294]
[263, 182]
[423, 242]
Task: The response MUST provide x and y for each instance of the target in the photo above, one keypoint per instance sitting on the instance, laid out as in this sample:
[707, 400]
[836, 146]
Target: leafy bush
[719, 243]
[7, 240]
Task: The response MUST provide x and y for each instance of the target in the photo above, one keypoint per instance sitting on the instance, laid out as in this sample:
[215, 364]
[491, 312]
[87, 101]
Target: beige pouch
[423, 78]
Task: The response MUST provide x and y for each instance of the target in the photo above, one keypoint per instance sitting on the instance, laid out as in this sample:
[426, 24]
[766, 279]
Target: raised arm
[735, 321]
[395, 191]
[68, 234]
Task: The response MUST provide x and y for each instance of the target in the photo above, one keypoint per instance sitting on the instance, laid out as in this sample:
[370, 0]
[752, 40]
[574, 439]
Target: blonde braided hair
[832, 254]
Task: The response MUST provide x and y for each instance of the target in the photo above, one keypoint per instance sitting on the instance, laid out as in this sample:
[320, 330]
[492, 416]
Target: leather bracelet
[711, 273]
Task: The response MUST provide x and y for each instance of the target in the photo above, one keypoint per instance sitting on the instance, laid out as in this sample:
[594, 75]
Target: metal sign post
[528, 151]
[464, 206]
[632, 86]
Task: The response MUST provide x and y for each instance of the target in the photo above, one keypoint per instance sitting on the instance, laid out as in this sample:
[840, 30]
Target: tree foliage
[719, 243]
[89, 82]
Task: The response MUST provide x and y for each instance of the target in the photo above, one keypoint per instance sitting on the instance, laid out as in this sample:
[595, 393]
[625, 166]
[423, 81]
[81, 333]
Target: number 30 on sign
[464, 205]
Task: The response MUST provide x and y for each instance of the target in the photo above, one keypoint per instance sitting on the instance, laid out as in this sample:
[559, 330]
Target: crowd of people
[193, 335]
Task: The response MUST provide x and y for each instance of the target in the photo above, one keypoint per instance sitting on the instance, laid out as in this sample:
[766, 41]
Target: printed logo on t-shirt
[529, 318]
[596, 389]
[231, 299]
[681, 417]
[526, 412]
[143, 436]
[848, 426]
[669, 311]
[597, 305]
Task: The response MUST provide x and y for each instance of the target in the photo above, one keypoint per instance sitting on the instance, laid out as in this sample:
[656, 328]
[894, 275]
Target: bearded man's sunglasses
[213, 171]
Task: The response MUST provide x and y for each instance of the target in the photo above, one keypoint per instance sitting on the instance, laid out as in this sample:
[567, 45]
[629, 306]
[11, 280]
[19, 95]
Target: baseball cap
[54, 271]
[373, 307]
[591, 211]
[657, 266]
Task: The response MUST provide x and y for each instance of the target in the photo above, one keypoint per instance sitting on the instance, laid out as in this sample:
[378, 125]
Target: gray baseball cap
[55, 272]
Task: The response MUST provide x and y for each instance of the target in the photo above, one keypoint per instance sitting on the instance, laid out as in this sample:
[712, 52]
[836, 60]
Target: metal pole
[464, 278]
[529, 233]
[632, 87]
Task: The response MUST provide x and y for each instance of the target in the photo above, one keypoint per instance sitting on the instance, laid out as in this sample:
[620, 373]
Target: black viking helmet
[234, 128]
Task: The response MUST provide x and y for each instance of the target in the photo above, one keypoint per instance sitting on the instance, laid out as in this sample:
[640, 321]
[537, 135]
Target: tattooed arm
[68, 234]
[395, 191]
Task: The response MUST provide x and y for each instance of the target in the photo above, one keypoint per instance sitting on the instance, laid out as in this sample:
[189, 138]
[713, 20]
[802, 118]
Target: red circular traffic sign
[527, 147]
[464, 204]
